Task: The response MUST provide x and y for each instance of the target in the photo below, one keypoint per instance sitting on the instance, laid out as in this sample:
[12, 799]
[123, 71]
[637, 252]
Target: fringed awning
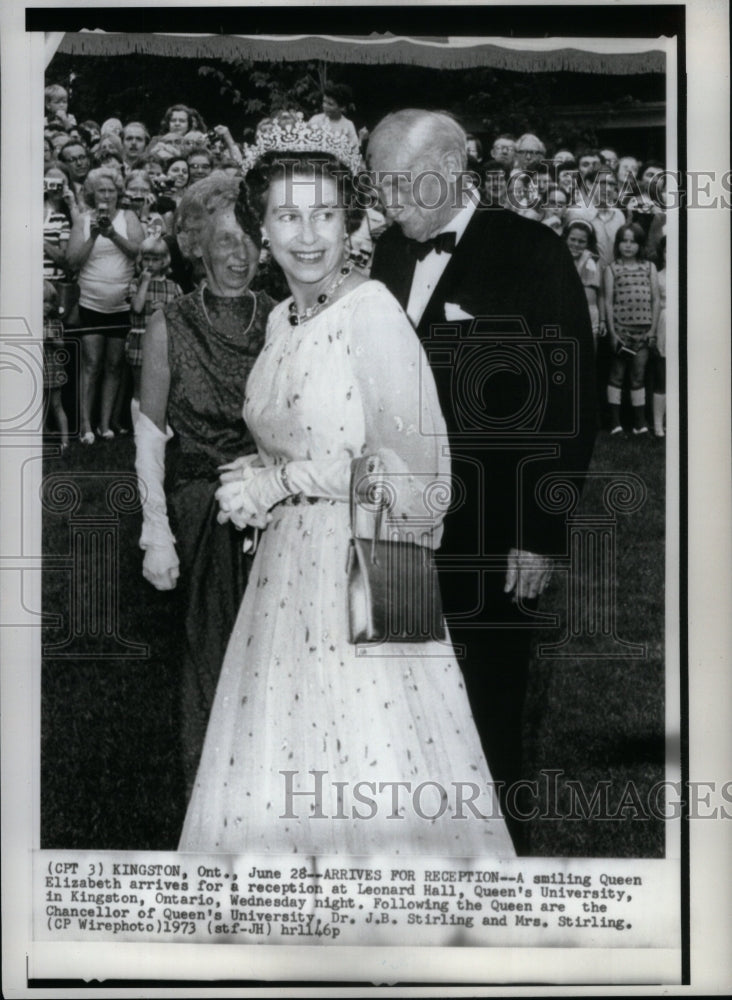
[591, 55]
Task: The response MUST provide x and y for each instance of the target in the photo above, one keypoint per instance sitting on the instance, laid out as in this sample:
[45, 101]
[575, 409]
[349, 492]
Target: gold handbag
[393, 590]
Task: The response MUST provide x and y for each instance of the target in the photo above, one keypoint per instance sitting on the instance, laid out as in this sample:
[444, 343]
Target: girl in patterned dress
[54, 374]
[632, 310]
[152, 290]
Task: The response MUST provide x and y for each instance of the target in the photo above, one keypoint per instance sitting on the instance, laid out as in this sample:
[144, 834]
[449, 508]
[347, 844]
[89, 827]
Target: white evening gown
[294, 695]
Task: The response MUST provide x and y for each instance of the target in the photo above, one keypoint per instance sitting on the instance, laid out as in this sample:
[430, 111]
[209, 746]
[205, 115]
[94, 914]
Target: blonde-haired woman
[103, 246]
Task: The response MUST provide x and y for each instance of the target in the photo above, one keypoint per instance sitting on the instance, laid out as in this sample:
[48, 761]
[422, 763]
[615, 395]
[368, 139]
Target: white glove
[248, 498]
[160, 564]
[233, 475]
[236, 470]
[250, 490]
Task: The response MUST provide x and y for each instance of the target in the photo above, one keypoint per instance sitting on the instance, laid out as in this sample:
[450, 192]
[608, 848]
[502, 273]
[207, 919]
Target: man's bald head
[418, 157]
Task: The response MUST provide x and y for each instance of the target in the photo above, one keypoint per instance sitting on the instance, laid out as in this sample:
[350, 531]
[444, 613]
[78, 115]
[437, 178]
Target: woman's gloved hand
[236, 470]
[248, 499]
[160, 566]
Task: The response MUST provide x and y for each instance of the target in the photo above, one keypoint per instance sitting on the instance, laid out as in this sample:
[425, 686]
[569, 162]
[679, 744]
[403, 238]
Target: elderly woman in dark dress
[197, 354]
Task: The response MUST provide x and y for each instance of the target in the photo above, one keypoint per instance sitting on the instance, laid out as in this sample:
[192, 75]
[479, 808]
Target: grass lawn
[110, 772]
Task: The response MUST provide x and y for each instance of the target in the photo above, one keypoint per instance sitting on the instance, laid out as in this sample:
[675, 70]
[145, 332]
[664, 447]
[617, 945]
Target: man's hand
[528, 574]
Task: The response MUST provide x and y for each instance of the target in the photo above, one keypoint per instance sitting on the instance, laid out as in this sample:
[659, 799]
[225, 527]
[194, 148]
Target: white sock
[637, 397]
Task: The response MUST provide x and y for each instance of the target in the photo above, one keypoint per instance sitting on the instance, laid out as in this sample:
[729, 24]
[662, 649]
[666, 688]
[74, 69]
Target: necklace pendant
[323, 298]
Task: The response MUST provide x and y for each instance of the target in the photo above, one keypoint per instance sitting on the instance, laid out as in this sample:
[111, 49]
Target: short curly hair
[137, 176]
[97, 174]
[275, 165]
[200, 201]
[200, 151]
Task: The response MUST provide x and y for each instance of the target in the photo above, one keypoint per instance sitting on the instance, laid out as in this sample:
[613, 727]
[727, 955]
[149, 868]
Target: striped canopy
[586, 55]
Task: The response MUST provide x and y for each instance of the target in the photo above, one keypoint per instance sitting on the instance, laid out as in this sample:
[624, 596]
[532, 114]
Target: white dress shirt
[429, 271]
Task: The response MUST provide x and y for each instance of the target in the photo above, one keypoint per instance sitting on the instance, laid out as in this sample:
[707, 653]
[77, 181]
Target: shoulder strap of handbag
[361, 468]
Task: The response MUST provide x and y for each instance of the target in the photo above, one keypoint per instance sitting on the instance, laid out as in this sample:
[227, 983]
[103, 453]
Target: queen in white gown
[383, 745]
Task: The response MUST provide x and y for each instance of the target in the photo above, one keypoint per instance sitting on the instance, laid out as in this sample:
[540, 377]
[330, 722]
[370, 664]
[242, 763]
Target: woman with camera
[138, 196]
[59, 213]
[103, 246]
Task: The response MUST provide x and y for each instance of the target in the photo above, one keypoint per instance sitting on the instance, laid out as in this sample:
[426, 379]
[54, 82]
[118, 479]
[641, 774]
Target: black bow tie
[442, 243]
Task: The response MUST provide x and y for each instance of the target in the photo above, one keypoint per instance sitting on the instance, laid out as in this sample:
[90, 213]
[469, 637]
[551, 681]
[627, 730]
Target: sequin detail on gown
[294, 697]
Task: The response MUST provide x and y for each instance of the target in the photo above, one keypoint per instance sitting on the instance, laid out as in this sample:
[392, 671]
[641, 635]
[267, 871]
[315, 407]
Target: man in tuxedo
[499, 307]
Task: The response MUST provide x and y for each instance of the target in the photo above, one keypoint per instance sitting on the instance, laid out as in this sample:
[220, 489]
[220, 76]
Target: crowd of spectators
[111, 190]
[598, 201]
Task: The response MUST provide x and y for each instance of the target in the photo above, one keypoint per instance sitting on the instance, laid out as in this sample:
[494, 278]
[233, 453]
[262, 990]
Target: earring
[265, 241]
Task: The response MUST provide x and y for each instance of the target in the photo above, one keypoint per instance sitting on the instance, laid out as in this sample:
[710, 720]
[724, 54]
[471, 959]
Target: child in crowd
[336, 98]
[54, 374]
[580, 238]
[608, 218]
[632, 305]
[151, 291]
[57, 107]
[90, 133]
[658, 354]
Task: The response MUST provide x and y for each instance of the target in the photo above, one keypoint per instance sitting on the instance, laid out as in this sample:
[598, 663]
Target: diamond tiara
[290, 133]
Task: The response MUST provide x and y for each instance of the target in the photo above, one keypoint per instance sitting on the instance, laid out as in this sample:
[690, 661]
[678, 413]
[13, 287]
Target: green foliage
[239, 92]
[263, 89]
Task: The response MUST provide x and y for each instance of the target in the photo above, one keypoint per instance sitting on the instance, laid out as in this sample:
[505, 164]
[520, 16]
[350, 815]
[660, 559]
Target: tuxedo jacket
[508, 337]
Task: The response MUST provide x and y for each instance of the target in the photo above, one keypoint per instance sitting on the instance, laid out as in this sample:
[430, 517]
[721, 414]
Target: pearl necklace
[296, 318]
[204, 285]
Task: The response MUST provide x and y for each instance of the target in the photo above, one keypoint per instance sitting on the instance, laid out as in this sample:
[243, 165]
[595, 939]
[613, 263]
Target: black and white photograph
[354, 430]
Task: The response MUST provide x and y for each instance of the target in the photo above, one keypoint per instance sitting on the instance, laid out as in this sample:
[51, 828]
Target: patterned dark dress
[211, 351]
